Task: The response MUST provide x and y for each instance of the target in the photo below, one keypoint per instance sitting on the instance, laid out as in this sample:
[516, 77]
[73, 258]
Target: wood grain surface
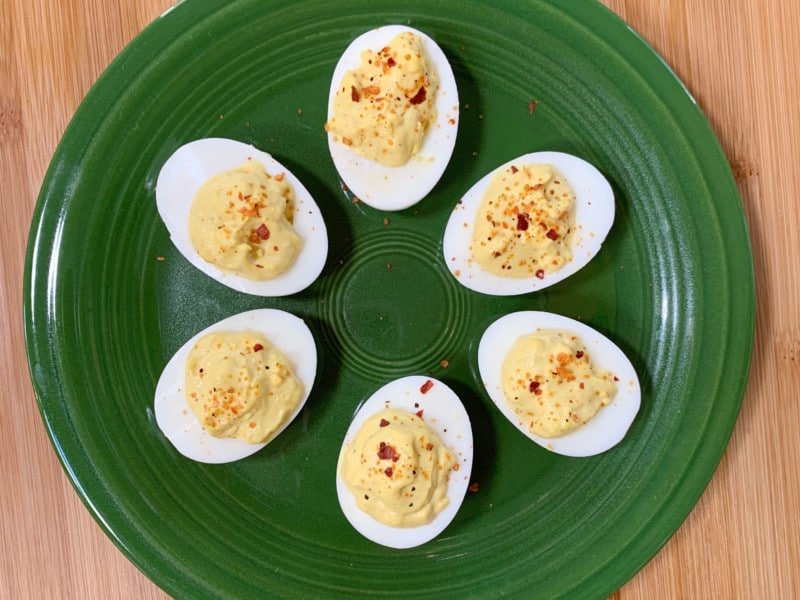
[740, 59]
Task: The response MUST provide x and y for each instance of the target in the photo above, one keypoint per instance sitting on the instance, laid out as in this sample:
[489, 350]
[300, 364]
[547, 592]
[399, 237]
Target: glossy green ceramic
[108, 299]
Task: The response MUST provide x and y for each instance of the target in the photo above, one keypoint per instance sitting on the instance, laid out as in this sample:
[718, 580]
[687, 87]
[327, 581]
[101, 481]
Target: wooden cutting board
[740, 59]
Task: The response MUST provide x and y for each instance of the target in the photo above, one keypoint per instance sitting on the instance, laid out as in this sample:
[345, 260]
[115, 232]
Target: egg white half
[396, 188]
[175, 418]
[190, 166]
[594, 215]
[610, 424]
[444, 413]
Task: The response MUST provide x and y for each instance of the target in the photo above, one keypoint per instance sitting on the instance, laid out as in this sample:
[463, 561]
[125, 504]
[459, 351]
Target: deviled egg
[392, 116]
[563, 384]
[235, 385]
[241, 217]
[530, 223]
[405, 462]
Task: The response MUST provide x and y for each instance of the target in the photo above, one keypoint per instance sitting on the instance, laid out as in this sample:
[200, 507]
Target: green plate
[108, 299]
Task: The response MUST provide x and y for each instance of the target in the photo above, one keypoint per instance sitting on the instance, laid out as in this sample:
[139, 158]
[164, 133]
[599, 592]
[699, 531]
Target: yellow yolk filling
[383, 109]
[525, 223]
[240, 385]
[398, 469]
[241, 221]
[551, 384]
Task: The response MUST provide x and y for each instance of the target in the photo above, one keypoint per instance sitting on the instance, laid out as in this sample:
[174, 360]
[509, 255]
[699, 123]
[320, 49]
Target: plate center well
[392, 308]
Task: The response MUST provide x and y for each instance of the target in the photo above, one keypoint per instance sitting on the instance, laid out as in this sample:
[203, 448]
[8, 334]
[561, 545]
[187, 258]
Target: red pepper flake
[522, 222]
[579, 354]
[473, 487]
[514, 169]
[616, 378]
[540, 274]
[354, 95]
[263, 232]
[419, 97]
[533, 386]
[532, 106]
[552, 234]
[390, 61]
[387, 452]
[419, 413]
[425, 387]
[258, 348]
[384, 423]
[388, 471]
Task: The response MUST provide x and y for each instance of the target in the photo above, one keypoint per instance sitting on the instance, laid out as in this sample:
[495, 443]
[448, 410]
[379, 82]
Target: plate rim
[38, 246]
